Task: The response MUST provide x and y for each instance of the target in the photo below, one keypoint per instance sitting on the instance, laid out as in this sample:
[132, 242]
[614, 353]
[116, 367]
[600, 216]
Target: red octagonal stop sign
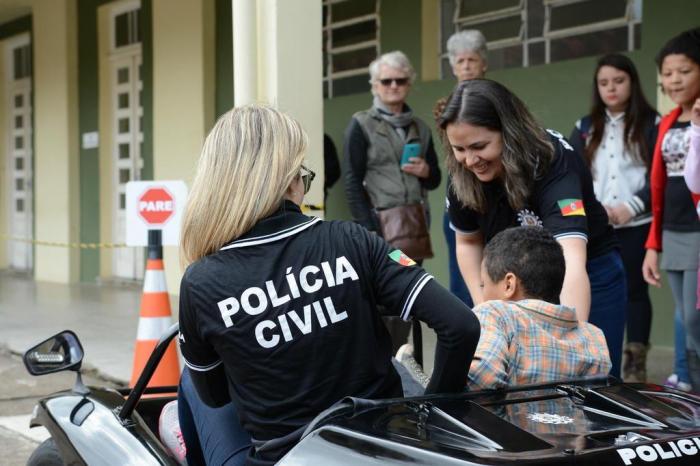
[156, 206]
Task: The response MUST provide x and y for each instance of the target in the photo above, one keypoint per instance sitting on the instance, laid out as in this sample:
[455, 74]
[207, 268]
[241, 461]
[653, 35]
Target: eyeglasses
[307, 176]
[399, 81]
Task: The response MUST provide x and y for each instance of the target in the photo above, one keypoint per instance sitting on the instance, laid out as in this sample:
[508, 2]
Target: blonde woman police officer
[278, 310]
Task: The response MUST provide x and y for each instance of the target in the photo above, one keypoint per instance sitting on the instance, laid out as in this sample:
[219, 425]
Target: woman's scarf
[399, 121]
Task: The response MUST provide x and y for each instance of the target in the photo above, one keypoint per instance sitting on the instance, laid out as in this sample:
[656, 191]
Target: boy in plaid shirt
[526, 335]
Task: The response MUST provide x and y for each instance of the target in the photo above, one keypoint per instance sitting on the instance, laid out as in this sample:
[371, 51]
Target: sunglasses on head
[307, 176]
[399, 81]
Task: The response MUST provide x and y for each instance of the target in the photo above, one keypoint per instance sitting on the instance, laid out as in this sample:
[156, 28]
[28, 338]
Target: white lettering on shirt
[289, 325]
[335, 317]
[328, 273]
[304, 279]
[303, 325]
[262, 341]
[274, 299]
[319, 314]
[284, 325]
[228, 307]
[344, 270]
[262, 301]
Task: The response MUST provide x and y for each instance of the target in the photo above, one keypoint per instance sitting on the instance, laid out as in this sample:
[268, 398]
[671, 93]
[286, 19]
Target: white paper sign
[154, 205]
[91, 140]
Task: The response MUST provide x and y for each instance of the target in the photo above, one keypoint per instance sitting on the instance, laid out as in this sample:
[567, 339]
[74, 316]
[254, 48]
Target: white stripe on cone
[154, 281]
[152, 328]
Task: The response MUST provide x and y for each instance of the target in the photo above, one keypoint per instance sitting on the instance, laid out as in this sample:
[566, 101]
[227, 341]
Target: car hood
[582, 422]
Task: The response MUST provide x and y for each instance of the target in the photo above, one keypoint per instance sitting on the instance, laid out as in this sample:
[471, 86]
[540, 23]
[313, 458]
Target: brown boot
[634, 368]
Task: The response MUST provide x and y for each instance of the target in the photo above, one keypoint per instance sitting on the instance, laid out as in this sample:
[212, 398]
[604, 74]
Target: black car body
[595, 422]
[588, 422]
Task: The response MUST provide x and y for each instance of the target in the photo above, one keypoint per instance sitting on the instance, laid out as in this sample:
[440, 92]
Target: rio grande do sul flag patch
[398, 256]
[571, 207]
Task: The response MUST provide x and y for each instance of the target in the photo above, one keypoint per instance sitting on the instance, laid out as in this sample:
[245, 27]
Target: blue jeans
[684, 285]
[609, 302]
[212, 435]
[680, 360]
[457, 285]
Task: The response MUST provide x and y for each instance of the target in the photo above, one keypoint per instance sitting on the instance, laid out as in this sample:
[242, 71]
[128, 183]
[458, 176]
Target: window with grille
[535, 32]
[350, 43]
[22, 58]
[127, 30]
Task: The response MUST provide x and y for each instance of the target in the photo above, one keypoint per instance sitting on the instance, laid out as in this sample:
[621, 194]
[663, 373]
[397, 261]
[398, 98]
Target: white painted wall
[285, 75]
[183, 95]
[56, 138]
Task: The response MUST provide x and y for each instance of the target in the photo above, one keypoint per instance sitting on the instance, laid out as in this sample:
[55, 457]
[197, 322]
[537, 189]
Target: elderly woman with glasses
[390, 159]
[279, 312]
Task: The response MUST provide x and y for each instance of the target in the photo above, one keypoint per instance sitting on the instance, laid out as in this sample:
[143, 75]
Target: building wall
[180, 49]
[103, 189]
[183, 94]
[96, 107]
[88, 97]
[8, 31]
[4, 176]
[56, 138]
[557, 94]
[223, 58]
[291, 79]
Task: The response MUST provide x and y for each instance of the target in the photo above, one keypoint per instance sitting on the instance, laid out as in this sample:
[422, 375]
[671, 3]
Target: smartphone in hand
[410, 150]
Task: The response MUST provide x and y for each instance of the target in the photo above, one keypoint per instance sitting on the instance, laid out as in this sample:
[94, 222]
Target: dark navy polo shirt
[555, 203]
[291, 311]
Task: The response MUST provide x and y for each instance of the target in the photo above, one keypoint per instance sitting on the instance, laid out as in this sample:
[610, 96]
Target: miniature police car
[599, 421]
[586, 422]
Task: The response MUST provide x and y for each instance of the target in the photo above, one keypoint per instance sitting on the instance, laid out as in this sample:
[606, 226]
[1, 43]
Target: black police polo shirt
[290, 309]
[562, 201]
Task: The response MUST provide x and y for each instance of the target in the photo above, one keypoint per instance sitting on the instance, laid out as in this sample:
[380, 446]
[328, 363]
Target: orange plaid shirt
[532, 341]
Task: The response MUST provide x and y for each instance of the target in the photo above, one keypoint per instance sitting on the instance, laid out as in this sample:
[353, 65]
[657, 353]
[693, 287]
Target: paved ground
[16, 449]
[104, 317]
[19, 393]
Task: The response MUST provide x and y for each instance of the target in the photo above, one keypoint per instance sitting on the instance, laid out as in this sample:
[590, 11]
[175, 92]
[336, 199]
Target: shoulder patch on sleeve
[399, 257]
[570, 207]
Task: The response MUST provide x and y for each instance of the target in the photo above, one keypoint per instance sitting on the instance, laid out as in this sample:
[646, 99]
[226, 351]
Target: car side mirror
[62, 351]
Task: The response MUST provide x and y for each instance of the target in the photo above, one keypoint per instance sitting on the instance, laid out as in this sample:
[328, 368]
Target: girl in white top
[617, 141]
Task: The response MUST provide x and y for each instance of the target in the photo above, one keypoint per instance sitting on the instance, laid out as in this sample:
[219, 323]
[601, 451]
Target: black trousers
[632, 250]
[399, 330]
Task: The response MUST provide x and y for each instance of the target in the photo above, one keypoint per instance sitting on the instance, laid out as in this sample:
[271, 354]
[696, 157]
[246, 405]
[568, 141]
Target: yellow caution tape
[59, 244]
[311, 207]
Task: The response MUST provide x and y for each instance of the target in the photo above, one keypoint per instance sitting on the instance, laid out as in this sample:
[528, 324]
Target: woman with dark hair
[467, 52]
[506, 171]
[617, 141]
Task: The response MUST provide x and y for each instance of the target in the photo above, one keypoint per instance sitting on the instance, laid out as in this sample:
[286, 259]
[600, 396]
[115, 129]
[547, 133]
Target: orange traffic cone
[154, 320]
